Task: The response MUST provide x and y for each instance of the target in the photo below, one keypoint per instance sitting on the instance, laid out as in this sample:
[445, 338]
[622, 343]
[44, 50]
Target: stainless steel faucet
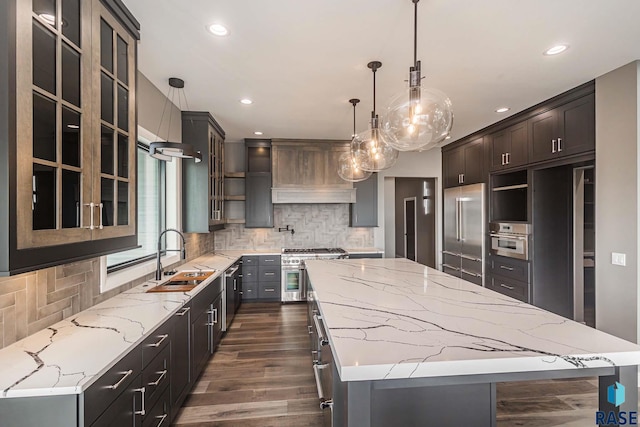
[183, 251]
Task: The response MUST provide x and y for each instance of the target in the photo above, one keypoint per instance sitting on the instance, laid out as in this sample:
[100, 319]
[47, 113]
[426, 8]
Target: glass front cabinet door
[71, 131]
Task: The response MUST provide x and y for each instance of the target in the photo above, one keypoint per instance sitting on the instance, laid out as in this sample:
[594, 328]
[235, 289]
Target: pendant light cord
[415, 33]
[354, 119]
[374, 90]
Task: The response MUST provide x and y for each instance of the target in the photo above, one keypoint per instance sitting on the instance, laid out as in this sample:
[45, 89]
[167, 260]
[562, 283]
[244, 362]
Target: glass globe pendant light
[418, 118]
[348, 170]
[370, 149]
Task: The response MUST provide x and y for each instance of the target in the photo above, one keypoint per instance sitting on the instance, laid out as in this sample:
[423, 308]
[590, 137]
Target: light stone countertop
[396, 319]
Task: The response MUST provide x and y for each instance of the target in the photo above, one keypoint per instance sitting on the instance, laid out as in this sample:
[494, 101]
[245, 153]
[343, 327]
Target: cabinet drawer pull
[269, 274]
[142, 410]
[504, 267]
[125, 376]
[269, 260]
[553, 145]
[184, 311]
[508, 157]
[269, 289]
[161, 418]
[559, 145]
[162, 375]
[162, 338]
[507, 286]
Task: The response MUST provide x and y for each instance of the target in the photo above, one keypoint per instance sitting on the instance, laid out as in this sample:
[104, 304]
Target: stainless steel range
[294, 287]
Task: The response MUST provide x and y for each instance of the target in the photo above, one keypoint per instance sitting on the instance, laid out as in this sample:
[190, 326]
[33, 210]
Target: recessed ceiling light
[257, 132]
[502, 109]
[73, 126]
[218, 30]
[246, 101]
[556, 49]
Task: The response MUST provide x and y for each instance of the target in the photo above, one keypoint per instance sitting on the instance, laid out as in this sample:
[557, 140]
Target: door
[180, 361]
[453, 165]
[577, 120]
[410, 229]
[543, 129]
[472, 220]
[258, 206]
[473, 162]
[498, 146]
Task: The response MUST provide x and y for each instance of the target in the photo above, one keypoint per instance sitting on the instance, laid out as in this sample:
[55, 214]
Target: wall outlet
[618, 259]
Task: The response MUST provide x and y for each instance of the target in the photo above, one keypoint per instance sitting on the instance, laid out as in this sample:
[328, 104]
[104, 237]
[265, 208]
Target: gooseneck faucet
[183, 251]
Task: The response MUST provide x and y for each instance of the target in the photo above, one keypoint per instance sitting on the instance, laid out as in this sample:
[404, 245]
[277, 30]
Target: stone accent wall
[315, 225]
[33, 301]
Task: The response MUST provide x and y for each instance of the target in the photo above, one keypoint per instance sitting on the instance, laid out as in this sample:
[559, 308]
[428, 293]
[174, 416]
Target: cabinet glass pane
[44, 197]
[106, 192]
[71, 20]
[44, 58]
[106, 98]
[70, 199]
[123, 61]
[123, 203]
[44, 128]
[70, 75]
[106, 151]
[123, 156]
[106, 46]
[46, 9]
[70, 137]
[123, 108]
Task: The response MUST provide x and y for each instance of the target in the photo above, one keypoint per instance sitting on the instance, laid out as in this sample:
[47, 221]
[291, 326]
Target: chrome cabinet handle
[124, 377]
[325, 404]
[101, 226]
[231, 272]
[141, 411]
[162, 338]
[269, 274]
[507, 286]
[451, 267]
[462, 178]
[502, 161]
[162, 375]
[215, 317]
[502, 236]
[553, 145]
[469, 273]
[559, 145]
[309, 330]
[235, 284]
[318, 378]
[162, 418]
[91, 206]
[508, 157]
[269, 260]
[269, 289]
[321, 339]
[504, 267]
[184, 311]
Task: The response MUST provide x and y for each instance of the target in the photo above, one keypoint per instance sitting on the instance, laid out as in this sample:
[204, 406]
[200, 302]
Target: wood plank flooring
[261, 376]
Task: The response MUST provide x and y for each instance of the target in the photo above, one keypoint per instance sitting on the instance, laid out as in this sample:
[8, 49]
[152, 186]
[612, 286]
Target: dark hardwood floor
[261, 376]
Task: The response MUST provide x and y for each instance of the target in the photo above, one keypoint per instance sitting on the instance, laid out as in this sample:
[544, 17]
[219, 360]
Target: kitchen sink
[183, 281]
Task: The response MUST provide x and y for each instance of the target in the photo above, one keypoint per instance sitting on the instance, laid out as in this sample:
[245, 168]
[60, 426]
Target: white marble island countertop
[396, 319]
[70, 355]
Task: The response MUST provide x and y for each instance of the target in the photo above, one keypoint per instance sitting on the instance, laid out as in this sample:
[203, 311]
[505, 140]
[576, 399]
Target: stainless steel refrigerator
[464, 228]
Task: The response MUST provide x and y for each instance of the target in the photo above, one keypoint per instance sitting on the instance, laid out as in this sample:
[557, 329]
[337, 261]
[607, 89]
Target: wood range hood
[306, 171]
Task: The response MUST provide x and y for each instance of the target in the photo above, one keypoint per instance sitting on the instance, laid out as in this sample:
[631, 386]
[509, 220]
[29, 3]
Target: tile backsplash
[315, 225]
[33, 301]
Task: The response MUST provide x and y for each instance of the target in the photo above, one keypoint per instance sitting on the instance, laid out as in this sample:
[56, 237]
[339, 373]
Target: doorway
[410, 229]
[584, 245]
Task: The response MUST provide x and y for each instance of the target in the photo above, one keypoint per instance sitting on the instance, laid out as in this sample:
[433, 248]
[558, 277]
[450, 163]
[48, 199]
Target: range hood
[306, 171]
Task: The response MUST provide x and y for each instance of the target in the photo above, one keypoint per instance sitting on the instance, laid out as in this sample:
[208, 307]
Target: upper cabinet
[508, 147]
[203, 211]
[464, 164]
[69, 159]
[258, 204]
[563, 131]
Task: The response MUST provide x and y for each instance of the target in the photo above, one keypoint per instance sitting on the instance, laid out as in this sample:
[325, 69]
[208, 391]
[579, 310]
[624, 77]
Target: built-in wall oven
[510, 239]
[293, 278]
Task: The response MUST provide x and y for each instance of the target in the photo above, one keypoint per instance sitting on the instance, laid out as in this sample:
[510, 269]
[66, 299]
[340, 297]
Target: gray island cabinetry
[410, 345]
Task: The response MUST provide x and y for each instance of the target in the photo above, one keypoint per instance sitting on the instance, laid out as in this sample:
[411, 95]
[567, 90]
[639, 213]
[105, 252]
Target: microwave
[510, 239]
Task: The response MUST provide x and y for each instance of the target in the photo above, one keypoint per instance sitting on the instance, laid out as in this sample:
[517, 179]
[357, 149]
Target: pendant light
[167, 150]
[370, 149]
[347, 167]
[418, 118]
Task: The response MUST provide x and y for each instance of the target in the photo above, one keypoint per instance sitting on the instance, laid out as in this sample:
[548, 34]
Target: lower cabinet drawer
[269, 290]
[269, 273]
[249, 290]
[126, 409]
[249, 274]
[159, 415]
[509, 287]
[155, 377]
[509, 267]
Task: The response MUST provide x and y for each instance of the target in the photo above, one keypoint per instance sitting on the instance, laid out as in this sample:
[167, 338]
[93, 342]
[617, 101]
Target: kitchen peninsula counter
[402, 332]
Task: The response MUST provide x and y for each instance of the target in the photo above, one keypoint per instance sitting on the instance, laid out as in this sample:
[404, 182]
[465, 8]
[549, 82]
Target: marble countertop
[395, 319]
[69, 356]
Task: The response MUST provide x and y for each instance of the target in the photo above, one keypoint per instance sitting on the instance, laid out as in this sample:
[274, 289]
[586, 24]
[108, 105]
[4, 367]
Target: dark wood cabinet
[68, 157]
[127, 409]
[364, 212]
[258, 203]
[464, 164]
[508, 147]
[261, 277]
[203, 182]
[563, 131]
[364, 256]
[180, 360]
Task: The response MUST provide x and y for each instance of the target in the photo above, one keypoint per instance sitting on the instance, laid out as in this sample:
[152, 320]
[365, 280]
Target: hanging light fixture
[418, 118]
[370, 149]
[166, 150]
[347, 166]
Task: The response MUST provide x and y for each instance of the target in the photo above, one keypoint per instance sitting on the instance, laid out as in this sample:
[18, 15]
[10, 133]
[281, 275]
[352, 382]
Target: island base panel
[628, 377]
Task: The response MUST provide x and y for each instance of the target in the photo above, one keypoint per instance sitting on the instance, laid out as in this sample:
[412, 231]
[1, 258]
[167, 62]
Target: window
[151, 211]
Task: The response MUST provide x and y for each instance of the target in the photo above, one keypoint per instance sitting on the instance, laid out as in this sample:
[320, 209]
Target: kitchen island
[415, 346]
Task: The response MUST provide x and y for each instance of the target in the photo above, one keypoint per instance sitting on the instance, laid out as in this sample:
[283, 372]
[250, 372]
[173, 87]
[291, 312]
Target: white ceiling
[301, 60]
